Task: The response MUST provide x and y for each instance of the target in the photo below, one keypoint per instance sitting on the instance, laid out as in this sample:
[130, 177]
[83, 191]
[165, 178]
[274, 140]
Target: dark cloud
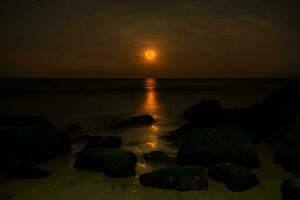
[86, 38]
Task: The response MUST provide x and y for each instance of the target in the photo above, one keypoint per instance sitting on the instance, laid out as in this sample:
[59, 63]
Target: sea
[65, 101]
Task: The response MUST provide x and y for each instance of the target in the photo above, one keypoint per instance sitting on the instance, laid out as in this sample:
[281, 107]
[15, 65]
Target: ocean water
[85, 101]
[94, 103]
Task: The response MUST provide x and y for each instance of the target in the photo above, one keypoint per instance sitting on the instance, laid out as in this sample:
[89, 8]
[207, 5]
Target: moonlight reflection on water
[151, 105]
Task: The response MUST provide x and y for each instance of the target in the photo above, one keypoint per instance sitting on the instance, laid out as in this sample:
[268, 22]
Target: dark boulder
[31, 140]
[234, 115]
[290, 189]
[235, 177]
[104, 142]
[74, 130]
[158, 157]
[276, 110]
[114, 163]
[5, 196]
[26, 173]
[210, 146]
[180, 133]
[254, 119]
[140, 120]
[177, 178]
[284, 102]
[204, 110]
[207, 114]
[287, 147]
[76, 133]
[83, 139]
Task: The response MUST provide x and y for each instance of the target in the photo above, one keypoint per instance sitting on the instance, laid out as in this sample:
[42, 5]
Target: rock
[181, 132]
[290, 189]
[5, 196]
[276, 110]
[234, 115]
[204, 110]
[83, 139]
[140, 120]
[76, 133]
[253, 119]
[235, 177]
[177, 178]
[223, 117]
[287, 147]
[157, 157]
[31, 140]
[210, 146]
[26, 173]
[114, 163]
[104, 142]
[74, 130]
[284, 102]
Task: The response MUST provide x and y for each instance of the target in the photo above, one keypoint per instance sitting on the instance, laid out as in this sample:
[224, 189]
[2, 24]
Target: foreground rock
[26, 173]
[104, 142]
[204, 110]
[76, 133]
[287, 148]
[290, 189]
[158, 157]
[236, 178]
[5, 196]
[74, 130]
[140, 120]
[114, 163]
[177, 178]
[28, 140]
[208, 147]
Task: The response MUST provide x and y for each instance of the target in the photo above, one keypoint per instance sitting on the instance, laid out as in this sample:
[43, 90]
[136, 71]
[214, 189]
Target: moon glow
[150, 54]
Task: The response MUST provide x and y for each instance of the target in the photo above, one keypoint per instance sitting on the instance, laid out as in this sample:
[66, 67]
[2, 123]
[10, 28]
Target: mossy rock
[114, 163]
[177, 178]
[290, 189]
[210, 146]
[33, 138]
[287, 147]
[131, 122]
[235, 177]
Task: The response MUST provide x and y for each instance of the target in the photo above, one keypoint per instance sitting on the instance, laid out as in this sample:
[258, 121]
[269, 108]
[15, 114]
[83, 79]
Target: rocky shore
[216, 142]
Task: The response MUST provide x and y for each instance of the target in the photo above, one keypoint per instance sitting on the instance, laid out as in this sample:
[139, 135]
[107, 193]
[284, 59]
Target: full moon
[150, 54]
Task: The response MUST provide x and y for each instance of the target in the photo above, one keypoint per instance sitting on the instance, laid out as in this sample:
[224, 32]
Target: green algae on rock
[178, 178]
[236, 178]
[114, 163]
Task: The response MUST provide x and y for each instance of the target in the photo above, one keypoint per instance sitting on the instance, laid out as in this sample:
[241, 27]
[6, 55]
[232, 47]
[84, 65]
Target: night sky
[107, 38]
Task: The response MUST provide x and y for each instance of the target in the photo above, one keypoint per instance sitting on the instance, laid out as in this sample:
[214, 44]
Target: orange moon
[150, 54]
